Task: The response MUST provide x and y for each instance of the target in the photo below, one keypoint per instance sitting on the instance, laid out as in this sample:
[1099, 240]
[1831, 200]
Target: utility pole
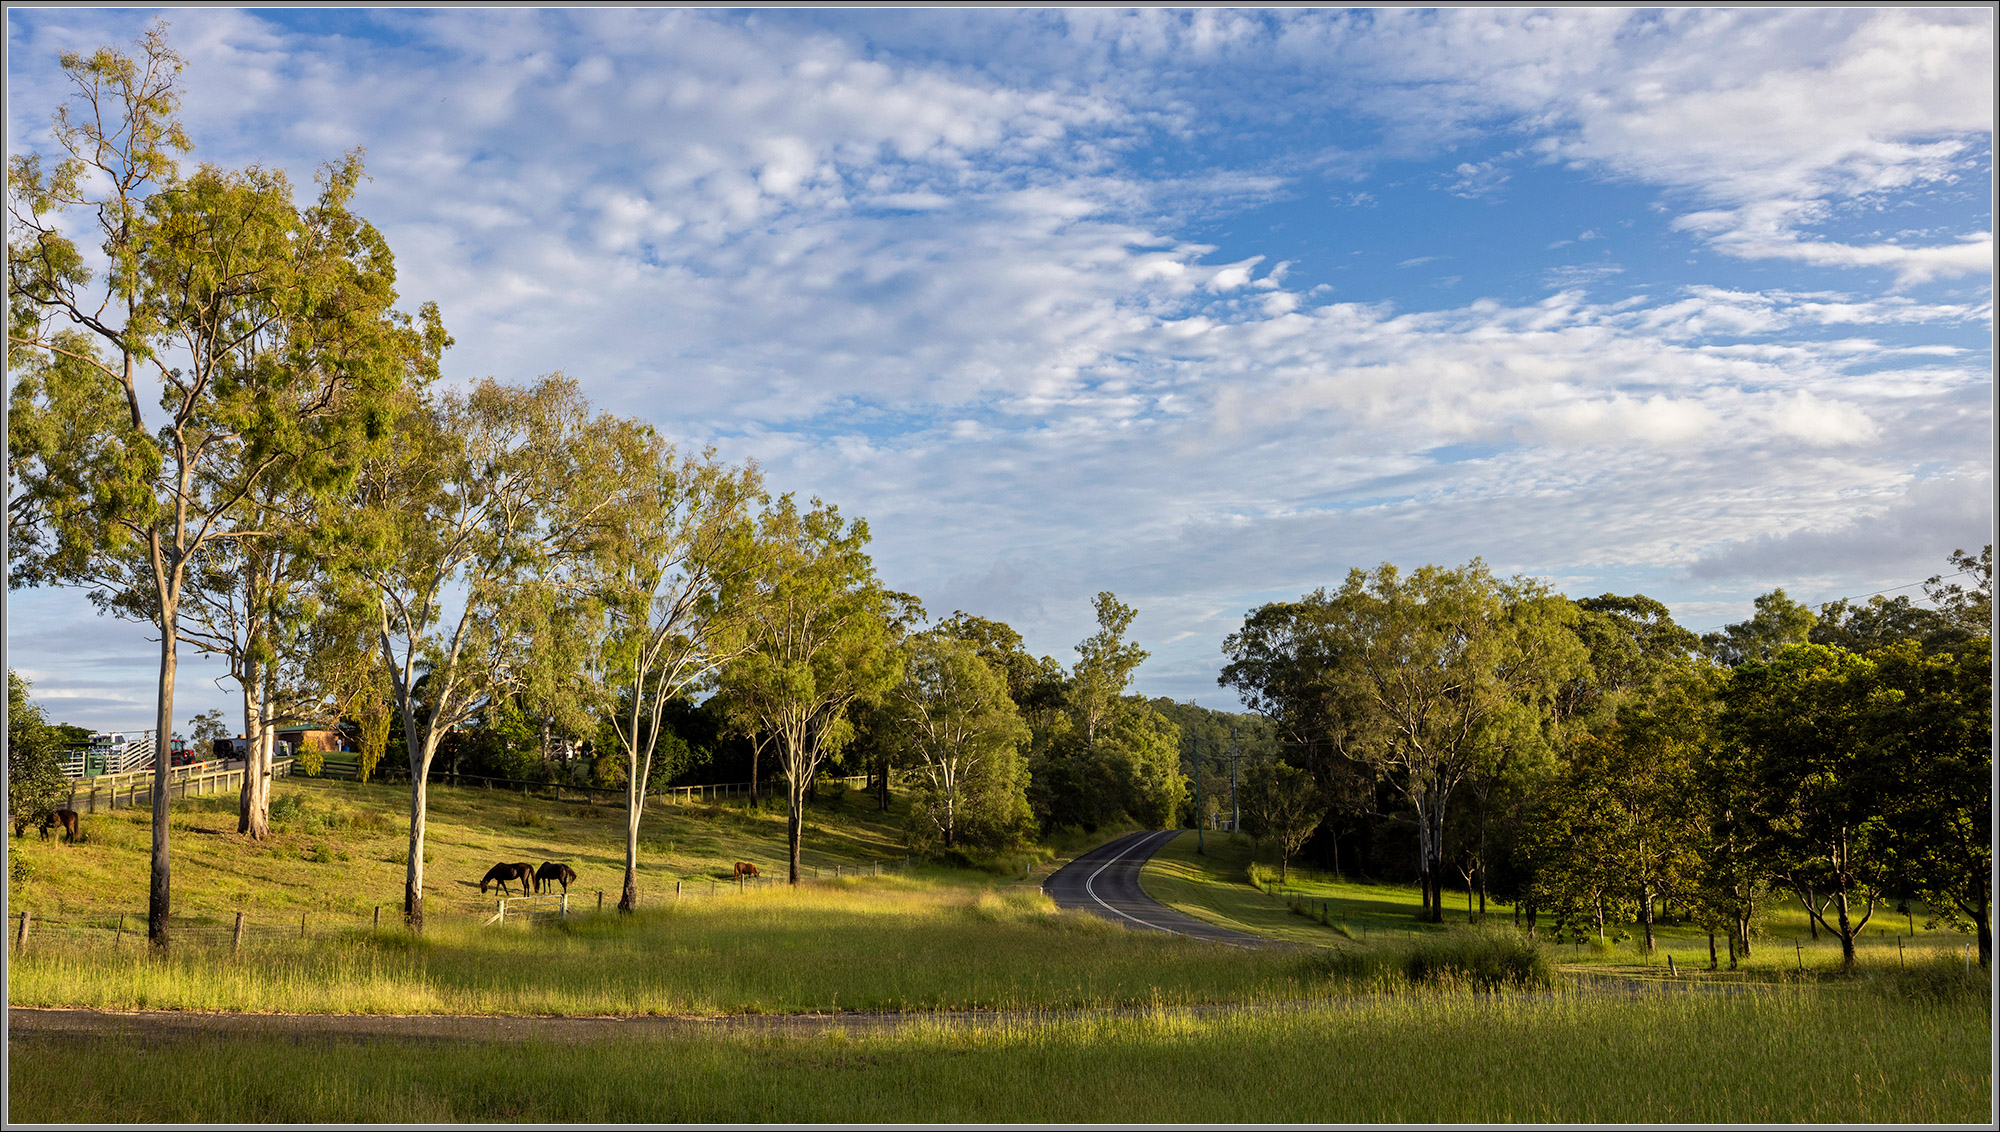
[1235, 757]
[1200, 818]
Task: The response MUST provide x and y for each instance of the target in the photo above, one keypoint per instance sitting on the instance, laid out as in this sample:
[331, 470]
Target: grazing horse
[552, 873]
[502, 873]
[64, 818]
[745, 869]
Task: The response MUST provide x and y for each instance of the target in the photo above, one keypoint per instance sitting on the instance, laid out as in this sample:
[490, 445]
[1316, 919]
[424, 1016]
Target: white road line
[1090, 884]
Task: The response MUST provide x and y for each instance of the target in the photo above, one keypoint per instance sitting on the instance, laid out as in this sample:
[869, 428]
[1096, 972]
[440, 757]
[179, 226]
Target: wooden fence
[96, 928]
[135, 788]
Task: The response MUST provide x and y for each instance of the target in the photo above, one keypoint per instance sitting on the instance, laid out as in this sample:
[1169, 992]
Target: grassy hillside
[338, 850]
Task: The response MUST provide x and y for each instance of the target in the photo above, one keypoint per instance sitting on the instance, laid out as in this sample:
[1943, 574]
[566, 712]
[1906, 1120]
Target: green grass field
[1772, 1057]
[859, 943]
[1328, 1033]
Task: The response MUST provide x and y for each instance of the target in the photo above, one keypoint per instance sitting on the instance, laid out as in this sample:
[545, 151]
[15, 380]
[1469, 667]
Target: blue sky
[1201, 307]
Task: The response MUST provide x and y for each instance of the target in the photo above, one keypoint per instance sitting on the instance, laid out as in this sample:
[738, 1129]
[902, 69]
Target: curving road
[1105, 881]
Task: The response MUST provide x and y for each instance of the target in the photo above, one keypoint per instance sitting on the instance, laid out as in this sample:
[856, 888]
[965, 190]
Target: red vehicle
[182, 756]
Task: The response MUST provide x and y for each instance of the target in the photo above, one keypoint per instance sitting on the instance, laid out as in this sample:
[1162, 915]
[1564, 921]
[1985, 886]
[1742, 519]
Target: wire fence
[91, 929]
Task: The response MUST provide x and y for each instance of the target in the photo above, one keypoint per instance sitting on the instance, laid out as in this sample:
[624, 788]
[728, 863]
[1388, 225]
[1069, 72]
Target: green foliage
[1105, 661]
[820, 639]
[961, 735]
[1778, 622]
[1284, 804]
[36, 784]
[1799, 721]
[20, 871]
[1928, 727]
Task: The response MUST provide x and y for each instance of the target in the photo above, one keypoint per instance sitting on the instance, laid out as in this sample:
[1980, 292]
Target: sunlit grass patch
[1446, 1056]
[889, 943]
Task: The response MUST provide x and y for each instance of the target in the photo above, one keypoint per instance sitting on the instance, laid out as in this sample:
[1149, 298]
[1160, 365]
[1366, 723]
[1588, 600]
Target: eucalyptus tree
[820, 640]
[1428, 667]
[674, 579]
[1281, 666]
[1104, 666]
[1283, 803]
[268, 340]
[1627, 798]
[1777, 622]
[1815, 788]
[963, 736]
[469, 542]
[1929, 726]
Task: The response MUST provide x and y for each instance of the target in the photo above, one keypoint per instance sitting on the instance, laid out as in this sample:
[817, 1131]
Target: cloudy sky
[1200, 307]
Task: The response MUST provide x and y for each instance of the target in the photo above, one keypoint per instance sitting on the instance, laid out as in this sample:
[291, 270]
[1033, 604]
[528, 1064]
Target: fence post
[236, 944]
[378, 917]
[565, 906]
[302, 925]
[677, 892]
[600, 900]
[121, 928]
[21, 937]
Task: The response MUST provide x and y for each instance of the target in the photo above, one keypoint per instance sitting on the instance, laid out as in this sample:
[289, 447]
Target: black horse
[502, 873]
[552, 873]
[65, 818]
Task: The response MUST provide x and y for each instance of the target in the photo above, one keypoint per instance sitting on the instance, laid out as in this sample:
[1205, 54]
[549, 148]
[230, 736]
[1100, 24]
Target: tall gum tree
[1426, 666]
[196, 273]
[955, 718]
[1800, 724]
[821, 639]
[674, 581]
[464, 541]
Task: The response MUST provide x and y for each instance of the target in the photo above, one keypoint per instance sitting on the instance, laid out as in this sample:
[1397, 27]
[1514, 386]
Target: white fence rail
[532, 909]
[118, 758]
[135, 788]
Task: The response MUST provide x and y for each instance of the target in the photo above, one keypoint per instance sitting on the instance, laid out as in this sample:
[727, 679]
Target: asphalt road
[1105, 881]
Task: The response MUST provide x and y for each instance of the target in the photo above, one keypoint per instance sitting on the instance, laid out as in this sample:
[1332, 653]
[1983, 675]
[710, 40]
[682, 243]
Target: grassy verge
[1215, 886]
[1811, 1056]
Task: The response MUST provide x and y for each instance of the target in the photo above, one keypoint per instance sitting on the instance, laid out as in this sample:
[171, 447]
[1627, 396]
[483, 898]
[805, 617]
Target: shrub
[319, 853]
[20, 871]
[1482, 958]
[529, 819]
[287, 807]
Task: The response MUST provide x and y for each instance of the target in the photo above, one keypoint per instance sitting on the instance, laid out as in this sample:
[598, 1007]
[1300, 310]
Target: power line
[1861, 597]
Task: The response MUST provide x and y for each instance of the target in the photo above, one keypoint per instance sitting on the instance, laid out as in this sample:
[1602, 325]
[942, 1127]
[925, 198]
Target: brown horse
[64, 818]
[502, 873]
[745, 869]
[552, 873]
